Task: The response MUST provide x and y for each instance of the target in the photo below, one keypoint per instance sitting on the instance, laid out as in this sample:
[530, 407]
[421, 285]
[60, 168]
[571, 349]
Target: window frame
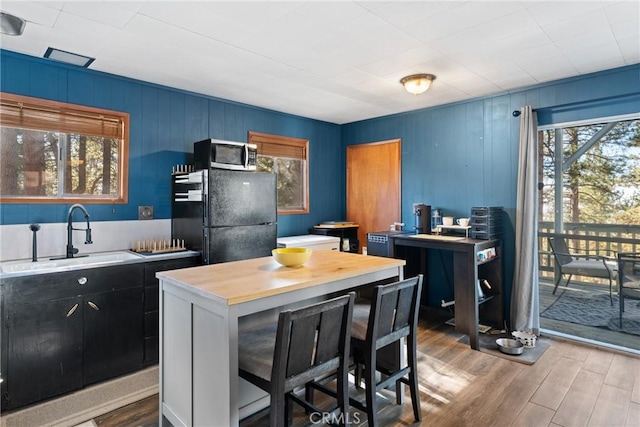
[558, 161]
[63, 109]
[278, 144]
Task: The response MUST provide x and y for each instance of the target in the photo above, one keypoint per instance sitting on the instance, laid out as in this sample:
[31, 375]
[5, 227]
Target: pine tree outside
[56, 164]
[55, 152]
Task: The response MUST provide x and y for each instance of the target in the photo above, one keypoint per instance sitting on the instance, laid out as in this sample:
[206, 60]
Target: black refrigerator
[227, 215]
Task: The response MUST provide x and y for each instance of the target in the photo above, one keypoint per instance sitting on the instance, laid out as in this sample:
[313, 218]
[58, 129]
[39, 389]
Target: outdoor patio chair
[628, 278]
[581, 265]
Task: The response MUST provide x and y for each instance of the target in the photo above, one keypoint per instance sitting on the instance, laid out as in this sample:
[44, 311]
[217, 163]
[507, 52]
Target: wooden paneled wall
[164, 124]
[454, 156]
[465, 154]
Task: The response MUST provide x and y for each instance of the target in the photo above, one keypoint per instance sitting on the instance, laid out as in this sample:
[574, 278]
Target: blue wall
[465, 154]
[454, 156]
[164, 124]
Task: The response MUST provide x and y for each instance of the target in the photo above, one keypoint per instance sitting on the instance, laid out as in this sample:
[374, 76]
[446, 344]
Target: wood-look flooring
[570, 385]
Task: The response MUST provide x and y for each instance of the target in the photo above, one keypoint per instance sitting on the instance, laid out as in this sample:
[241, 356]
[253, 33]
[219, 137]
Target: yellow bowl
[291, 257]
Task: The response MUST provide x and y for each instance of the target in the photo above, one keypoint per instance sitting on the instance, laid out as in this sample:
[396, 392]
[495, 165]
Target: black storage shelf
[485, 299]
[343, 232]
[488, 260]
[486, 222]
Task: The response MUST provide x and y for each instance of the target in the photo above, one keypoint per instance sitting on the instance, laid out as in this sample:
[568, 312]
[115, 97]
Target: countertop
[45, 265]
[241, 281]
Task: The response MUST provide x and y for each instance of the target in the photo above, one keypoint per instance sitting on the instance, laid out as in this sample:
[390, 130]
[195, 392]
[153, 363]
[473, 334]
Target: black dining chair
[628, 278]
[581, 265]
[307, 343]
[377, 326]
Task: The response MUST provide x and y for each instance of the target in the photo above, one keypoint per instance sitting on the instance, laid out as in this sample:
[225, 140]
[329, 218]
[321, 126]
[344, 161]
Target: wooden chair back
[394, 312]
[312, 341]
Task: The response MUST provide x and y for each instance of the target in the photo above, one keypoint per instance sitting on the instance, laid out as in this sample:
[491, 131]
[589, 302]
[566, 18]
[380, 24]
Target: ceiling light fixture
[68, 57]
[11, 25]
[417, 83]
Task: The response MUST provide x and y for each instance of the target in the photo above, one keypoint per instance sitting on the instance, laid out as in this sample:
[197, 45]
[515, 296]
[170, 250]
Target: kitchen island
[203, 308]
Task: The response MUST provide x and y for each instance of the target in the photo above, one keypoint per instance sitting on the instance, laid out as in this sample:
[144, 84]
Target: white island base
[202, 309]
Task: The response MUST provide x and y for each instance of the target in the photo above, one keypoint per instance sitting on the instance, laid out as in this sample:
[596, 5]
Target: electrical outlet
[145, 212]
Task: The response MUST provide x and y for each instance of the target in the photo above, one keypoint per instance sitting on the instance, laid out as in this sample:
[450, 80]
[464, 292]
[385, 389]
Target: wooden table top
[241, 281]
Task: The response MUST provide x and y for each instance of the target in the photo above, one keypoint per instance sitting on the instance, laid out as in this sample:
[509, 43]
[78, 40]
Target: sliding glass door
[589, 198]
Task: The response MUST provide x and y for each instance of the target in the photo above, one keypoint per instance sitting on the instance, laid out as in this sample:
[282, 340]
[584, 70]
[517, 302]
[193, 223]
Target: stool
[306, 344]
[392, 316]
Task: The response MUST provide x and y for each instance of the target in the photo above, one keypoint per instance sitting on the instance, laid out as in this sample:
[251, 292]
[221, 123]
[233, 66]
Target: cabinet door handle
[93, 305]
[82, 280]
[72, 310]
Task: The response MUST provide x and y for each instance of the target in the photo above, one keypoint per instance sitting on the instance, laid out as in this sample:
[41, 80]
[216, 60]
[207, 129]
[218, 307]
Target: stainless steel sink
[47, 265]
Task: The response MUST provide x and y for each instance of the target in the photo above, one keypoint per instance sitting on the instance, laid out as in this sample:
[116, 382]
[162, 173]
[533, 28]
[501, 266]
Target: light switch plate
[145, 212]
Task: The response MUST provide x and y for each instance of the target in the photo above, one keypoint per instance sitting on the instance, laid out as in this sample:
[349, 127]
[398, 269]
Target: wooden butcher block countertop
[241, 281]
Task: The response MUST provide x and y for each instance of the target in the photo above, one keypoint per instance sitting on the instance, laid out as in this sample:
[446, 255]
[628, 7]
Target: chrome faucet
[71, 251]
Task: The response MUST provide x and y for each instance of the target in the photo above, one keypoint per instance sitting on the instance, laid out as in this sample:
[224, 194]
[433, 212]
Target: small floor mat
[596, 310]
[528, 357]
[85, 404]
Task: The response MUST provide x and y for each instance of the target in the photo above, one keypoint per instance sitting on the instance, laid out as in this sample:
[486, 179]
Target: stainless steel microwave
[220, 154]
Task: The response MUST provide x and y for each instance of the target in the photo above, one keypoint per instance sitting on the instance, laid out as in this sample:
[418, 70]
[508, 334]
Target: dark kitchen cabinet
[62, 331]
[69, 329]
[112, 334]
[45, 350]
[152, 300]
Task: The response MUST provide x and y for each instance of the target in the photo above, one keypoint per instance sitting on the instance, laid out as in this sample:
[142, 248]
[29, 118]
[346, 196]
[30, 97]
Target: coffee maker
[423, 218]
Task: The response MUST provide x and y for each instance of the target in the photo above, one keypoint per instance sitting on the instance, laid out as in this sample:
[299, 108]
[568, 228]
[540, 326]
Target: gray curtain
[525, 307]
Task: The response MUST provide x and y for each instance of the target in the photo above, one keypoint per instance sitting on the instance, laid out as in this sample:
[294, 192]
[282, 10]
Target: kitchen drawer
[486, 220]
[484, 228]
[48, 286]
[479, 211]
[484, 235]
[151, 297]
[151, 324]
[151, 350]
[151, 268]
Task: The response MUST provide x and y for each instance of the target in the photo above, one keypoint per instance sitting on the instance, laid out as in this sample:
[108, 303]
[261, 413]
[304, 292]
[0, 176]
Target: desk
[466, 272]
[202, 308]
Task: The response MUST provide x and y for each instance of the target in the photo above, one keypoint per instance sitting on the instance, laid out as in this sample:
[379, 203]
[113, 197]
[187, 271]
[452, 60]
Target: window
[589, 181]
[288, 158]
[52, 152]
[591, 171]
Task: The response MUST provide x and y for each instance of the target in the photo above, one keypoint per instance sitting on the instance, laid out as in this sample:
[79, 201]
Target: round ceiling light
[11, 25]
[417, 83]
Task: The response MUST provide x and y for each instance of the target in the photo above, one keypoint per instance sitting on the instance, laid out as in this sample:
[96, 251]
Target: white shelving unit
[442, 228]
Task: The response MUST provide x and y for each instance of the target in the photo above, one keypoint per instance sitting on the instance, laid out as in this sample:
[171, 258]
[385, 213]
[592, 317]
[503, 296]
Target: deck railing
[587, 239]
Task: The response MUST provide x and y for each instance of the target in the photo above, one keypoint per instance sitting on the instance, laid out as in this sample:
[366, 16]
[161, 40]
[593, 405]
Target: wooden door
[373, 186]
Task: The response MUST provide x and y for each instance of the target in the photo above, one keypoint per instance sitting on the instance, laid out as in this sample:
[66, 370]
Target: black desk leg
[465, 293]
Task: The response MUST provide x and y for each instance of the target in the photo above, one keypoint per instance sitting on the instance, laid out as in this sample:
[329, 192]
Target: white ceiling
[338, 61]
